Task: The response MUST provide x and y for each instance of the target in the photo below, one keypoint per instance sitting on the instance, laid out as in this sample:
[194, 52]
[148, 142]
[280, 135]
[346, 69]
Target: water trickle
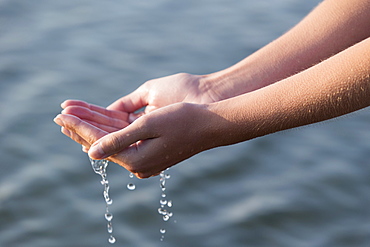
[100, 168]
[164, 203]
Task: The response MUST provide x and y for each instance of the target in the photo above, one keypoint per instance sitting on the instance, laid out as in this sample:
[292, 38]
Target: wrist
[229, 122]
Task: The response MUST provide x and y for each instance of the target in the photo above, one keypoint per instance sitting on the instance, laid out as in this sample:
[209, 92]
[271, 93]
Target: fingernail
[63, 104]
[58, 121]
[96, 152]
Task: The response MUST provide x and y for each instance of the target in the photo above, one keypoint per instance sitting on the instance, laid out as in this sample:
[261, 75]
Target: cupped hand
[152, 143]
[157, 93]
[86, 123]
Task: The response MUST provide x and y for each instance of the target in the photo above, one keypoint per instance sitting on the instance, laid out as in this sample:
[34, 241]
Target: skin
[320, 69]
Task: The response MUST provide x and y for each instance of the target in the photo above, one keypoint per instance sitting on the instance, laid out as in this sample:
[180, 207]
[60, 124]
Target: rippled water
[304, 187]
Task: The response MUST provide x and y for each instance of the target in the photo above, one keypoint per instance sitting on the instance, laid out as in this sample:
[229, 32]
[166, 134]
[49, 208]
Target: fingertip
[70, 102]
[96, 152]
[64, 104]
[58, 120]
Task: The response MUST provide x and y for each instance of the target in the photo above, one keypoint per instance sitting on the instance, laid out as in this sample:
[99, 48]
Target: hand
[153, 142]
[164, 91]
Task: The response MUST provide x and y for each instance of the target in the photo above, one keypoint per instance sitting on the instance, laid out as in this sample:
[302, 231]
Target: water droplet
[167, 176]
[108, 216]
[111, 239]
[162, 211]
[131, 186]
[163, 202]
[166, 217]
[169, 203]
[131, 175]
[110, 227]
[163, 231]
[163, 195]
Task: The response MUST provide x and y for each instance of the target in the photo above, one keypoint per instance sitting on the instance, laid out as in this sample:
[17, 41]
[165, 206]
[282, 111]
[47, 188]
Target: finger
[119, 140]
[106, 128]
[133, 116]
[71, 102]
[83, 129]
[131, 102]
[114, 119]
[143, 158]
[75, 137]
[134, 159]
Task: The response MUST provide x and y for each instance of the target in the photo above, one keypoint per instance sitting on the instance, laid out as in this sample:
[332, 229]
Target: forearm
[330, 28]
[338, 85]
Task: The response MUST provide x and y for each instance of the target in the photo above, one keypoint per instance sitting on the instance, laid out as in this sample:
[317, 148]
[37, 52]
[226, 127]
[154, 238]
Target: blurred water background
[303, 187]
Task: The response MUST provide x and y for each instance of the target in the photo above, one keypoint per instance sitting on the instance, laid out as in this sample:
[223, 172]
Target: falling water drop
[166, 217]
[110, 227]
[131, 186]
[108, 216]
[163, 202]
[111, 239]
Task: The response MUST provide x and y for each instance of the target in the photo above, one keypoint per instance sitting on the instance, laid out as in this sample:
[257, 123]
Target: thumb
[114, 142]
[131, 102]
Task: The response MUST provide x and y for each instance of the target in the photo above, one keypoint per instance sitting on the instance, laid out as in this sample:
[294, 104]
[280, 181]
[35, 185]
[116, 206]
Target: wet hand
[156, 141]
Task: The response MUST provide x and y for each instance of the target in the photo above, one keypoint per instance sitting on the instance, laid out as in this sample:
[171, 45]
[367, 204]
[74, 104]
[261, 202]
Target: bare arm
[331, 27]
[334, 87]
